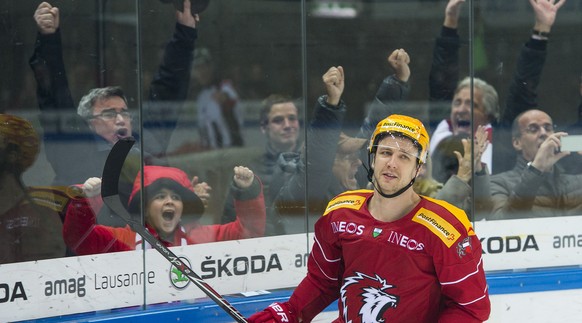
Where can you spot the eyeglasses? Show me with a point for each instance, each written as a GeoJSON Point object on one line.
{"type": "Point", "coordinates": [112, 114]}
{"type": "Point", "coordinates": [535, 128]}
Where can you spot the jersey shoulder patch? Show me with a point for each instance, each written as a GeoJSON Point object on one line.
{"type": "Point", "coordinates": [438, 225]}
{"type": "Point", "coordinates": [348, 200]}
{"type": "Point", "coordinates": [458, 213]}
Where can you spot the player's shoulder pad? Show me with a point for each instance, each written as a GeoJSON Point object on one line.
{"type": "Point", "coordinates": [55, 198]}
{"type": "Point", "coordinates": [348, 200]}
{"type": "Point", "coordinates": [442, 219]}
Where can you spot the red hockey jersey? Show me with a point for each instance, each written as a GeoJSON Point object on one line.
{"type": "Point", "coordinates": [424, 267]}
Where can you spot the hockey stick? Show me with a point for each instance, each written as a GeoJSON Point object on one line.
{"type": "Point", "coordinates": [110, 195]}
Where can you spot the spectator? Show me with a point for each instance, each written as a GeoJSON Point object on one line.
{"type": "Point", "coordinates": [377, 251]}
{"type": "Point", "coordinates": [537, 186]}
{"type": "Point", "coordinates": [103, 115]}
{"type": "Point", "coordinates": [220, 115]}
{"type": "Point", "coordinates": [522, 92]}
{"type": "Point", "coordinates": [469, 109]}
{"type": "Point", "coordinates": [456, 190]}
{"type": "Point", "coordinates": [328, 153]}
{"type": "Point", "coordinates": [170, 197]}
{"type": "Point", "coordinates": [347, 163]}
{"type": "Point", "coordinates": [279, 120]}
{"type": "Point", "coordinates": [30, 224]}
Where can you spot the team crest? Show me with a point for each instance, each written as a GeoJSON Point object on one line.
{"type": "Point", "coordinates": [464, 247]}
{"type": "Point", "coordinates": [371, 294]}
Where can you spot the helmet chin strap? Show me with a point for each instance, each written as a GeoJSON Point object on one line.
{"type": "Point", "coordinates": [370, 172]}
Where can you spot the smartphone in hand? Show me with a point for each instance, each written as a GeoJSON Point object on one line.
{"type": "Point", "coordinates": [571, 143]}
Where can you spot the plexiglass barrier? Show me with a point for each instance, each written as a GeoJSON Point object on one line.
{"type": "Point", "coordinates": [251, 83]}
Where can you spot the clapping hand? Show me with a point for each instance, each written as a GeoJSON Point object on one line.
{"type": "Point", "coordinates": [202, 190]}
{"type": "Point", "coordinates": [467, 163]}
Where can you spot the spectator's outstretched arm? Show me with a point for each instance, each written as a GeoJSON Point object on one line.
{"type": "Point", "coordinates": [249, 205]}
{"type": "Point", "coordinates": [47, 64]}
{"type": "Point", "coordinates": [444, 71]}
{"type": "Point", "coordinates": [323, 135]}
{"type": "Point", "coordinates": [523, 88]}
{"type": "Point", "coordinates": [169, 87]}
{"type": "Point", "coordinates": [80, 231]}
{"type": "Point", "coordinates": [172, 79]}
{"type": "Point", "coordinates": [392, 91]}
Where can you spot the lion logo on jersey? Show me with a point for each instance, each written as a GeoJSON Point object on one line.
{"type": "Point", "coordinates": [371, 292]}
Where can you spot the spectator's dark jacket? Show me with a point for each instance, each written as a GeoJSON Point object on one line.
{"type": "Point", "coordinates": [294, 181]}
{"type": "Point", "coordinates": [521, 193]}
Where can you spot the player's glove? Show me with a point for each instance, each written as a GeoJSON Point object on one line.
{"type": "Point", "coordinates": [275, 313]}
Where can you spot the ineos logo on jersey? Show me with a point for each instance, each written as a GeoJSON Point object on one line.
{"type": "Point", "coordinates": [404, 241]}
{"type": "Point", "coordinates": [348, 227]}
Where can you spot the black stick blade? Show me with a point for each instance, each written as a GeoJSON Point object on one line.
{"type": "Point", "coordinates": [113, 166]}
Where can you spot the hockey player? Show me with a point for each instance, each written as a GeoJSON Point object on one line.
{"type": "Point", "coordinates": [389, 254]}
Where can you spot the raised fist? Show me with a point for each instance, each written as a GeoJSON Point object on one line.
{"type": "Point", "coordinates": [243, 177]}
{"type": "Point", "coordinates": [47, 18]}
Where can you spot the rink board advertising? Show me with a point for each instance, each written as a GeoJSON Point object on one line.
{"type": "Point", "coordinates": [92, 283]}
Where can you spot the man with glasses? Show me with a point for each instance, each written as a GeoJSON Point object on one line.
{"type": "Point", "coordinates": [522, 94]}
{"type": "Point", "coordinates": [537, 186]}
{"type": "Point", "coordinates": [77, 145]}
{"type": "Point", "coordinates": [106, 111]}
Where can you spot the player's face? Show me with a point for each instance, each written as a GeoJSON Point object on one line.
{"type": "Point", "coordinates": [395, 163]}
{"type": "Point", "coordinates": [110, 127]}
{"type": "Point", "coordinates": [282, 128]}
{"type": "Point", "coordinates": [165, 211]}
{"type": "Point", "coordinates": [461, 111]}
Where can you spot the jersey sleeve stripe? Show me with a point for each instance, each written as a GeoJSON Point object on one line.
{"type": "Point", "coordinates": [318, 256]}
{"type": "Point", "coordinates": [323, 272]}
{"type": "Point", "coordinates": [467, 276]}
{"type": "Point", "coordinates": [323, 253]}
{"type": "Point", "coordinates": [475, 300]}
